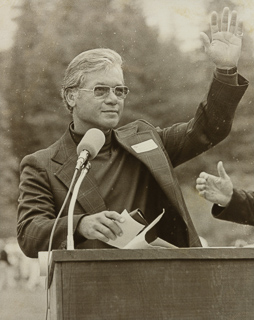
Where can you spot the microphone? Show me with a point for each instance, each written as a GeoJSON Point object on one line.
{"type": "Point", "coordinates": [87, 149]}
{"type": "Point", "coordinates": [89, 146]}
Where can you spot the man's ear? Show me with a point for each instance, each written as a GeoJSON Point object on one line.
{"type": "Point", "coordinates": [70, 95]}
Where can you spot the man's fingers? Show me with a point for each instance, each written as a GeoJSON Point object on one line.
{"type": "Point", "coordinates": [99, 236]}
{"type": "Point", "coordinates": [224, 19]}
{"type": "Point", "coordinates": [239, 29]}
{"type": "Point", "coordinates": [214, 23]}
{"type": "Point", "coordinates": [114, 216]}
{"type": "Point", "coordinates": [99, 232]}
{"type": "Point", "coordinates": [111, 221]}
{"type": "Point", "coordinates": [102, 226]}
{"type": "Point", "coordinates": [204, 175]}
{"type": "Point", "coordinates": [113, 227]}
{"type": "Point", "coordinates": [201, 187]}
{"type": "Point", "coordinates": [202, 194]}
{"type": "Point", "coordinates": [106, 231]}
{"type": "Point", "coordinates": [232, 26]}
{"type": "Point", "coordinates": [201, 181]}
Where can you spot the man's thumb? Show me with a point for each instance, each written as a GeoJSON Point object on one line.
{"type": "Point", "coordinates": [221, 170]}
{"type": "Point", "coordinates": [205, 40]}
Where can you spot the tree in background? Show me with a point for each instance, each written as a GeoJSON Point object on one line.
{"type": "Point", "coordinates": [9, 181]}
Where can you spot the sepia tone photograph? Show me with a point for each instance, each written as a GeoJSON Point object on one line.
{"type": "Point", "coordinates": [127, 159]}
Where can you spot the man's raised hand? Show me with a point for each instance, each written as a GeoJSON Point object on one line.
{"type": "Point", "coordinates": [225, 46]}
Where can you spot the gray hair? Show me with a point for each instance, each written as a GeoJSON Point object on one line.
{"type": "Point", "coordinates": [85, 62]}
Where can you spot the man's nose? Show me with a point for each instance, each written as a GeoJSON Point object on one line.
{"type": "Point", "coordinates": [111, 97]}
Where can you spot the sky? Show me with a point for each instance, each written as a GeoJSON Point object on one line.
{"type": "Point", "coordinates": [184, 19]}
{"type": "Point", "coordinates": [7, 26]}
{"type": "Point", "coordinates": [187, 18]}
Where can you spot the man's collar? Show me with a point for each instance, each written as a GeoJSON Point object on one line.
{"type": "Point", "coordinates": [76, 137]}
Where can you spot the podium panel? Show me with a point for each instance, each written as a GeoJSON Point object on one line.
{"type": "Point", "coordinates": [156, 284]}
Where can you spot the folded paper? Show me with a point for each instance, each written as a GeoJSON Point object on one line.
{"type": "Point", "coordinates": [135, 235]}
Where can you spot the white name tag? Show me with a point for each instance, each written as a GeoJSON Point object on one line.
{"type": "Point", "coordinates": [144, 146]}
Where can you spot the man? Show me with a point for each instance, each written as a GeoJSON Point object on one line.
{"type": "Point", "coordinates": [230, 204]}
{"type": "Point", "coordinates": [134, 169]}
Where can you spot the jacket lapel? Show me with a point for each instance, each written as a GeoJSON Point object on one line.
{"type": "Point", "coordinates": [156, 160]}
{"type": "Point", "coordinates": [89, 196]}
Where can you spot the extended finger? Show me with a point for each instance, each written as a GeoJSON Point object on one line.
{"type": "Point", "coordinates": [239, 29]}
{"type": "Point", "coordinates": [224, 19]}
{"type": "Point", "coordinates": [221, 170]}
{"type": "Point", "coordinates": [233, 20]}
{"type": "Point", "coordinates": [214, 22]}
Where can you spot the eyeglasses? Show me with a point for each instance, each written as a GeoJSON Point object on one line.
{"type": "Point", "coordinates": [103, 91]}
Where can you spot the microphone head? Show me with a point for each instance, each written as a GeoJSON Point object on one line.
{"type": "Point", "coordinates": [92, 141]}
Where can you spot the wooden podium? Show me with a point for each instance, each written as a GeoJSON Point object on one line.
{"type": "Point", "coordinates": [156, 284]}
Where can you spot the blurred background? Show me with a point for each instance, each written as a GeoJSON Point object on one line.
{"type": "Point", "coordinates": [168, 74]}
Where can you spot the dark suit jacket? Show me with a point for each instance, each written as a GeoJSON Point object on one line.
{"type": "Point", "coordinates": [240, 209]}
{"type": "Point", "coordinates": [46, 174]}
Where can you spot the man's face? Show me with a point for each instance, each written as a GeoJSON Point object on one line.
{"type": "Point", "coordinates": [103, 113]}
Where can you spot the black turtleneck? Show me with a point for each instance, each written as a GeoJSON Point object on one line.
{"type": "Point", "coordinates": [122, 179]}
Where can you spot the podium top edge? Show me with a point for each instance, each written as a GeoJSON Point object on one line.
{"type": "Point", "coordinates": [152, 254]}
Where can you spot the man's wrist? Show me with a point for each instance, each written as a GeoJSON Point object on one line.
{"type": "Point", "coordinates": [79, 226]}
{"type": "Point", "coordinates": [225, 201]}
{"type": "Point", "coordinates": [232, 70]}
{"type": "Point", "coordinates": [227, 75]}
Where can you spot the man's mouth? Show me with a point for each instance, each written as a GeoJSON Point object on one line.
{"type": "Point", "coordinates": [110, 111]}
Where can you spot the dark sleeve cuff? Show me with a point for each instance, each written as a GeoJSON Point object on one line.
{"type": "Point", "coordinates": [231, 79]}
{"type": "Point", "coordinates": [223, 100]}
{"type": "Point", "coordinates": [224, 213]}
{"type": "Point", "coordinates": [222, 92]}
{"type": "Point", "coordinates": [240, 209]}
{"type": "Point", "coordinates": [78, 238]}
{"type": "Point", "coordinates": [217, 210]}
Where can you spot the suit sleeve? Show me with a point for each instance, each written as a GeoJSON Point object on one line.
{"type": "Point", "coordinates": [37, 211]}
{"type": "Point", "coordinates": [210, 125]}
{"type": "Point", "coordinates": [239, 210]}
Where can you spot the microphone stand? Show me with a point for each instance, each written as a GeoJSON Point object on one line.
{"type": "Point", "coordinates": [70, 239]}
